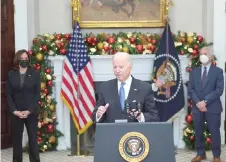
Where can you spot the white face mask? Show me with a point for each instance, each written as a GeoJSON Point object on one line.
{"type": "Point", "coordinates": [204, 59]}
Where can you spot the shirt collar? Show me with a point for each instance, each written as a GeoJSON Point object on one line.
{"type": "Point", "coordinates": [127, 82]}
{"type": "Point", "coordinates": [207, 66]}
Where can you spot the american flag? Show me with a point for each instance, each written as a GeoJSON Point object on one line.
{"type": "Point", "coordinates": [77, 88]}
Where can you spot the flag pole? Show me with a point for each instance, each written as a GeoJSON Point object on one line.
{"type": "Point", "coordinates": [78, 145]}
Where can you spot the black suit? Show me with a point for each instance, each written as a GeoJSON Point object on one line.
{"type": "Point", "coordinates": [21, 98]}
{"type": "Point", "coordinates": [139, 91]}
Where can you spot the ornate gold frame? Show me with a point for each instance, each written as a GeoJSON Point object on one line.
{"type": "Point", "coordinates": [75, 4]}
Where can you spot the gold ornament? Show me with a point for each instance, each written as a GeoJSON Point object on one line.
{"type": "Point", "coordinates": [52, 107]}
{"type": "Point", "coordinates": [52, 139]}
{"type": "Point", "coordinates": [125, 49]}
{"type": "Point", "coordinates": [46, 120]}
{"type": "Point", "coordinates": [43, 85]}
{"type": "Point", "coordinates": [39, 56]}
{"type": "Point", "coordinates": [100, 46]}
{"type": "Point", "coordinates": [49, 101]}
{"type": "Point", "coordinates": [190, 39]}
{"type": "Point", "coordinates": [185, 133]}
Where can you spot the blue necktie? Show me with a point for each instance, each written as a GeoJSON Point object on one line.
{"type": "Point", "coordinates": [122, 95]}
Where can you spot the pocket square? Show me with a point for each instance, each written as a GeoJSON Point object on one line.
{"type": "Point", "coordinates": [134, 101]}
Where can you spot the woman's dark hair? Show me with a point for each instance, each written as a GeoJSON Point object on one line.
{"type": "Point", "coordinates": [17, 58]}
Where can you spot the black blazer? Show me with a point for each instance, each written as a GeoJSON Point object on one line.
{"type": "Point", "coordinates": [139, 91]}
{"type": "Point", "coordinates": [25, 97]}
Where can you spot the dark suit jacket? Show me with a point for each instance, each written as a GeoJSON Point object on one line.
{"type": "Point", "coordinates": [139, 91]}
{"type": "Point", "coordinates": [211, 91]}
{"type": "Point", "coordinates": [25, 97]}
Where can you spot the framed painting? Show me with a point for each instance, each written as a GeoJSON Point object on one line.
{"type": "Point", "coordinates": [119, 13]}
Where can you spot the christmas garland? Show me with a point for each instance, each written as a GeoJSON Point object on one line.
{"type": "Point", "coordinates": [101, 44]}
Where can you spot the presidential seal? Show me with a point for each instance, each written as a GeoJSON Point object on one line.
{"type": "Point", "coordinates": [170, 75]}
{"type": "Point", "coordinates": [133, 147]}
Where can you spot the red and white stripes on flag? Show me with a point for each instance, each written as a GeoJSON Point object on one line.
{"type": "Point", "coordinates": [78, 94]}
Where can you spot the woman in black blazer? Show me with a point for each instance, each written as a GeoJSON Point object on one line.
{"type": "Point", "coordinates": [23, 94]}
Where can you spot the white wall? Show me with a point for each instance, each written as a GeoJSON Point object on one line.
{"type": "Point", "coordinates": [20, 24]}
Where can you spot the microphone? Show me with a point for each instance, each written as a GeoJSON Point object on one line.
{"type": "Point", "coordinates": [127, 106]}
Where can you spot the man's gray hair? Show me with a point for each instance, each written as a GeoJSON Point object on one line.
{"type": "Point", "coordinates": [209, 50]}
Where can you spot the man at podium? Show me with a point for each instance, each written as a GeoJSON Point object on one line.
{"type": "Point", "coordinates": [125, 97]}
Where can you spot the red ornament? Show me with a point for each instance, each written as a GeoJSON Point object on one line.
{"type": "Point", "coordinates": [182, 52]}
{"type": "Point", "coordinates": [106, 48]}
{"type": "Point", "coordinates": [63, 51]}
{"type": "Point", "coordinates": [94, 39]}
{"type": "Point", "coordinates": [62, 44]}
{"type": "Point", "coordinates": [132, 40]}
{"type": "Point", "coordinates": [58, 45]}
{"type": "Point", "coordinates": [154, 41]}
{"type": "Point", "coordinates": [200, 38]}
{"type": "Point", "coordinates": [58, 36]}
{"type": "Point", "coordinates": [149, 40]}
{"type": "Point", "coordinates": [112, 51]}
{"type": "Point", "coordinates": [45, 91]}
{"type": "Point", "coordinates": [139, 48]}
{"type": "Point", "coordinates": [50, 83]}
{"type": "Point", "coordinates": [152, 48]}
{"type": "Point", "coordinates": [39, 139]}
{"type": "Point", "coordinates": [48, 71]}
{"type": "Point", "coordinates": [38, 67]}
{"type": "Point", "coordinates": [67, 36]}
{"type": "Point", "coordinates": [39, 102]}
{"type": "Point", "coordinates": [111, 40]}
{"type": "Point", "coordinates": [192, 138]}
{"type": "Point", "coordinates": [50, 128]}
{"type": "Point", "coordinates": [196, 47]}
{"type": "Point", "coordinates": [194, 53]}
{"type": "Point", "coordinates": [42, 123]}
{"type": "Point", "coordinates": [208, 140]}
{"type": "Point", "coordinates": [30, 52]}
{"type": "Point", "coordinates": [38, 133]}
{"type": "Point", "coordinates": [44, 47]}
{"type": "Point", "coordinates": [182, 39]}
{"type": "Point", "coordinates": [189, 119]}
{"type": "Point", "coordinates": [89, 40]}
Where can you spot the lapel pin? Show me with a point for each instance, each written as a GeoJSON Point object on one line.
{"type": "Point", "coordinates": [134, 101]}
{"type": "Point", "coordinates": [135, 89]}
{"type": "Point", "coordinates": [29, 75]}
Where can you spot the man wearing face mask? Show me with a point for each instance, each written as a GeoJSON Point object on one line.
{"type": "Point", "coordinates": [23, 94]}
{"type": "Point", "coordinates": [206, 85]}
{"type": "Point", "coordinates": [114, 93]}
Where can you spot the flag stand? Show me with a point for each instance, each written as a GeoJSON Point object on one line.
{"type": "Point", "coordinates": [78, 145]}
{"type": "Point", "coordinates": [81, 152]}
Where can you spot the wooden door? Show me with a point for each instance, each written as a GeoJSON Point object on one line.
{"type": "Point", "coordinates": [7, 54]}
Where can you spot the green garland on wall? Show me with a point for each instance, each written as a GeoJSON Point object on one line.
{"type": "Point", "coordinates": [102, 44]}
